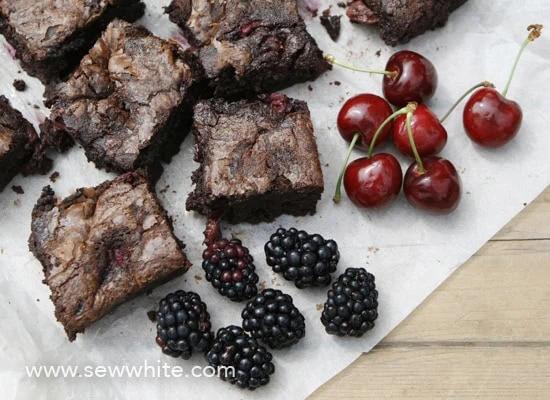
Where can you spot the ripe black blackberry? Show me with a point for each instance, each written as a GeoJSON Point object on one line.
{"type": "Point", "coordinates": [308, 260]}
{"type": "Point", "coordinates": [183, 325]}
{"type": "Point", "coordinates": [230, 269]}
{"type": "Point", "coordinates": [352, 304]}
{"type": "Point", "coordinates": [272, 318]}
{"type": "Point", "coordinates": [251, 362]}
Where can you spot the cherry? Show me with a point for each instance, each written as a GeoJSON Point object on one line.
{"type": "Point", "coordinates": [490, 119]}
{"type": "Point", "coordinates": [363, 114]}
{"type": "Point", "coordinates": [436, 189]}
{"type": "Point", "coordinates": [414, 79]}
{"type": "Point", "coordinates": [373, 182]}
{"type": "Point", "coordinates": [429, 134]}
{"type": "Point", "coordinates": [408, 77]}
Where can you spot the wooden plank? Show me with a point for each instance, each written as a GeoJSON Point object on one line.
{"type": "Point", "coordinates": [462, 372]}
{"type": "Point", "coordinates": [532, 223]}
{"type": "Point", "coordinates": [501, 294]}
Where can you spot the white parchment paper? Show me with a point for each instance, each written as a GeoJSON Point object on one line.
{"type": "Point", "coordinates": [409, 252]}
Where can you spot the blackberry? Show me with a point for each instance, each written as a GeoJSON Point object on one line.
{"type": "Point", "coordinates": [183, 325]}
{"type": "Point", "coordinates": [308, 260]}
{"type": "Point", "coordinates": [230, 269]}
{"type": "Point", "coordinates": [251, 363]}
{"type": "Point", "coordinates": [352, 304]}
{"type": "Point", "coordinates": [272, 318]}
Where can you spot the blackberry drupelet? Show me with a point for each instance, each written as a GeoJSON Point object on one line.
{"type": "Point", "coordinates": [183, 325]}
{"type": "Point", "coordinates": [308, 260]}
{"type": "Point", "coordinates": [230, 269]}
{"type": "Point", "coordinates": [352, 304]}
{"type": "Point", "coordinates": [272, 318]}
{"type": "Point", "coordinates": [233, 347]}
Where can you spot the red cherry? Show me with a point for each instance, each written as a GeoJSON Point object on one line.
{"type": "Point", "coordinates": [437, 189]}
{"type": "Point", "coordinates": [490, 119]}
{"type": "Point", "coordinates": [428, 133]}
{"type": "Point", "coordinates": [364, 114]}
{"type": "Point", "coordinates": [414, 79]}
{"type": "Point", "coordinates": [373, 182]}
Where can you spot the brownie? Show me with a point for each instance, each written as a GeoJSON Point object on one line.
{"type": "Point", "coordinates": [50, 37]}
{"type": "Point", "coordinates": [19, 146]}
{"type": "Point", "coordinates": [399, 21]}
{"type": "Point", "coordinates": [129, 101]}
{"type": "Point", "coordinates": [258, 160]}
{"type": "Point", "coordinates": [249, 46]}
{"type": "Point", "coordinates": [102, 246]}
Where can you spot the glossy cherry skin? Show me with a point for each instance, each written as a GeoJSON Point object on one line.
{"type": "Point", "coordinates": [437, 190]}
{"type": "Point", "coordinates": [373, 182]}
{"type": "Point", "coordinates": [490, 119]}
{"type": "Point", "coordinates": [416, 79]}
{"type": "Point", "coordinates": [429, 135]}
{"type": "Point", "coordinates": [363, 114]}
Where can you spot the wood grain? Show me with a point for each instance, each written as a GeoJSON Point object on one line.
{"type": "Point", "coordinates": [485, 333]}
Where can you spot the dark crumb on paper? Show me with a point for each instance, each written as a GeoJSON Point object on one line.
{"type": "Point", "coordinates": [337, 83]}
{"type": "Point", "coordinates": [319, 307]}
{"type": "Point", "coordinates": [312, 11]}
{"type": "Point", "coordinates": [17, 203]}
{"type": "Point", "coordinates": [149, 292]}
{"type": "Point", "coordinates": [17, 189]}
{"type": "Point", "coordinates": [152, 315]}
{"type": "Point", "coordinates": [262, 286]}
{"type": "Point", "coordinates": [327, 165]}
{"type": "Point", "coordinates": [19, 85]}
{"type": "Point", "coordinates": [54, 176]}
{"type": "Point", "coordinates": [310, 88]}
{"type": "Point", "coordinates": [373, 250]}
{"type": "Point", "coordinates": [36, 106]}
{"type": "Point", "coordinates": [468, 193]}
{"type": "Point", "coordinates": [331, 24]}
{"type": "Point", "coordinates": [38, 300]}
{"type": "Point", "coordinates": [342, 4]}
{"type": "Point", "coordinates": [198, 277]}
{"type": "Point", "coordinates": [165, 189]}
{"type": "Point", "coordinates": [524, 204]}
{"type": "Point", "coordinates": [378, 52]}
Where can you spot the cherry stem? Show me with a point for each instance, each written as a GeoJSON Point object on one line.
{"type": "Point", "coordinates": [421, 168]}
{"type": "Point", "coordinates": [486, 84]}
{"type": "Point", "coordinates": [338, 193]}
{"type": "Point", "coordinates": [332, 60]}
{"type": "Point", "coordinates": [396, 114]}
{"type": "Point", "coordinates": [534, 33]}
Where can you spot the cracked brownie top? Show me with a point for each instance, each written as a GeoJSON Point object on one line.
{"type": "Point", "coordinates": [125, 91]}
{"type": "Point", "coordinates": [101, 246]}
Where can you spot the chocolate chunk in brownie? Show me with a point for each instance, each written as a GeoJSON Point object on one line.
{"type": "Point", "coordinates": [399, 21]}
{"type": "Point", "coordinates": [50, 36]}
{"type": "Point", "coordinates": [249, 47]}
{"type": "Point", "coordinates": [102, 246]}
{"type": "Point", "coordinates": [19, 146]}
{"type": "Point", "coordinates": [128, 104]}
{"type": "Point", "coordinates": [258, 160]}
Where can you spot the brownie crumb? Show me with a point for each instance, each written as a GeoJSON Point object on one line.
{"type": "Point", "coordinates": [198, 277]}
{"type": "Point", "coordinates": [342, 4]}
{"type": "Point", "coordinates": [38, 300]}
{"type": "Point", "coordinates": [337, 83]}
{"type": "Point", "coordinates": [262, 286]}
{"type": "Point", "coordinates": [36, 106]}
{"type": "Point", "coordinates": [331, 24]}
{"type": "Point", "coordinates": [319, 307]}
{"type": "Point", "coordinates": [54, 176]}
{"type": "Point", "coordinates": [19, 85]}
{"type": "Point", "coordinates": [378, 53]}
{"type": "Point", "coordinates": [17, 203]}
{"type": "Point", "coordinates": [152, 315]}
{"type": "Point", "coordinates": [310, 88]}
{"type": "Point", "coordinates": [165, 189]}
{"type": "Point", "coordinates": [17, 189]}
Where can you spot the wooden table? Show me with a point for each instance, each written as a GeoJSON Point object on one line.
{"type": "Point", "coordinates": [484, 333]}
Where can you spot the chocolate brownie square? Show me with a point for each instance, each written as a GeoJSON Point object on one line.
{"type": "Point", "coordinates": [50, 36]}
{"type": "Point", "coordinates": [400, 21]}
{"type": "Point", "coordinates": [102, 246]}
{"type": "Point", "coordinates": [129, 100]}
{"type": "Point", "coordinates": [19, 145]}
{"type": "Point", "coordinates": [249, 46]}
{"type": "Point", "coordinates": [258, 160]}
